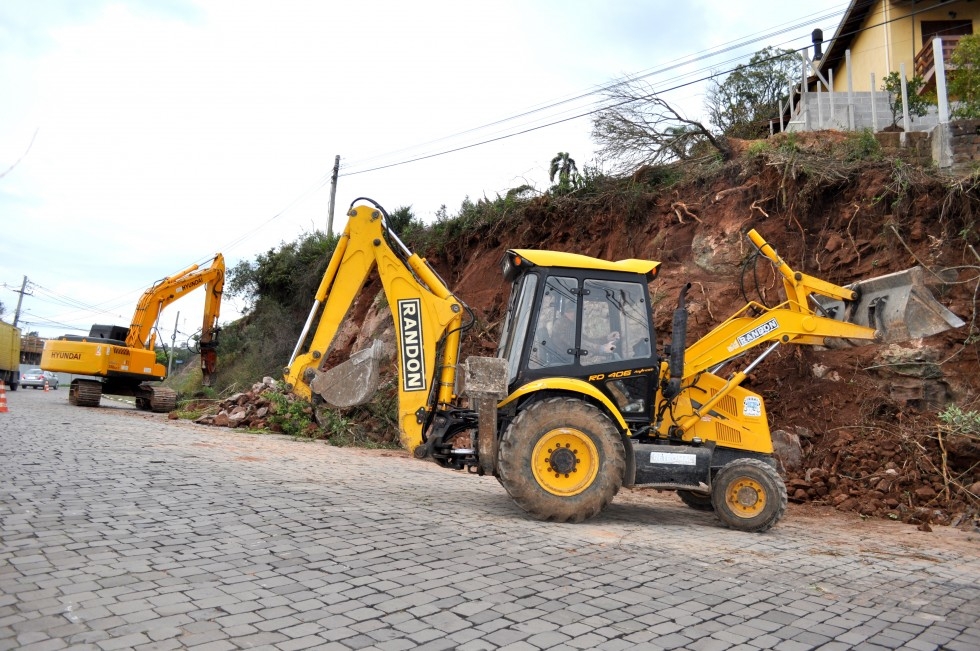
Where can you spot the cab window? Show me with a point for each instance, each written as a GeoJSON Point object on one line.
{"type": "Point", "coordinates": [615, 322]}
{"type": "Point", "coordinates": [555, 332]}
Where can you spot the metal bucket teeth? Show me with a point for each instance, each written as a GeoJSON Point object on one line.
{"type": "Point", "coordinates": [899, 306]}
{"type": "Point", "coordinates": [353, 382]}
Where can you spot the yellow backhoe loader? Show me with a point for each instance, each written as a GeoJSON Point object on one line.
{"type": "Point", "coordinates": [124, 359]}
{"type": "Point", "coordinates": [578, 401]}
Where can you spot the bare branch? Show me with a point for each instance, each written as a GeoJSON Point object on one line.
{"type": "Point", "coordinates": [639, 128]}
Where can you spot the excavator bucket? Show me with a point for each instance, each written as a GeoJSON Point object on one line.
{"type": "Point", "coordinates": [350, 383]}
{"type": "Point", "coordinates": [900, 306]}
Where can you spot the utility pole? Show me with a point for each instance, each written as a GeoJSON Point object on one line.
{"type": "Point", "coordinates": [20, 299]}
{"type": "Point", "coordinates": [333, 194]}
{"type": "Point", "coordinates": [173, 345]}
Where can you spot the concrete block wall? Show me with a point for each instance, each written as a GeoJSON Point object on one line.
{"type": "Point", "coordinates": [964, 144]}
{"type": "Point", "coordinates": [863, 117]}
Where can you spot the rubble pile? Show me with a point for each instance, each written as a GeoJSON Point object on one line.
{"type": "Point", "coordinates": [250, 409]}
{"type": "Point", "coordinates": [883, 477]}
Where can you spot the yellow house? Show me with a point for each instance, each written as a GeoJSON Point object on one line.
{"type": "Point", "coordinates": [883, 34]}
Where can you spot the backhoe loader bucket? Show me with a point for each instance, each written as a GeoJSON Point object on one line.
{"type": "Point", "coordinates": [350, 383]}
{"type": "Point", "coordinates": [900, 306]}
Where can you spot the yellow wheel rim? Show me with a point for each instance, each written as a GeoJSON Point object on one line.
{"type": "Point", "coordinates": [746, 497]}
{"type": "Point", "coordinates": [565, 462]}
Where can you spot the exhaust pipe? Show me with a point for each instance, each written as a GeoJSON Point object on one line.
{"type": "Point", "coordinates": [678, 345]}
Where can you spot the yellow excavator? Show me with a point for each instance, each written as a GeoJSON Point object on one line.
{"type": "Point", "coordinates": [122, 361]}
{"type": "Point", "coordinates": [579, 401]}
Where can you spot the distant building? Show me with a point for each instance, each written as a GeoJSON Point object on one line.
{"type": "Point", "coordinates": [30, 350]}
{"type": "Point", "coordinates": [884, 34]}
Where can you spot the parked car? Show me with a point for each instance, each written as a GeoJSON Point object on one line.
{"type": "Point", "coordinates": [35, 378]}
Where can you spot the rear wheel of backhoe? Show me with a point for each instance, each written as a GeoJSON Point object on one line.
{"type": "Point", "coordinates": [562, 459]}
{"type": "Point", "coordinates": [749, 495]}
{"type": "Point", "coordinates": [697, 501]}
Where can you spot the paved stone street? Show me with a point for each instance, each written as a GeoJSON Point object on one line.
{"type": "Point", "coordinates": [122, 530]}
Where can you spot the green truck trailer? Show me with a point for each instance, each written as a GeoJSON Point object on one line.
{"type": "Point", "coordinates": [10, 355]}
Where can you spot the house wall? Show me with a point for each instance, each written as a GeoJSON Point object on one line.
{"type": "Point", "coordinates": [892, 35]}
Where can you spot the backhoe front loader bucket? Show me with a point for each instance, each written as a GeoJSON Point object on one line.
{"type": "Point", "coordinates": [350, 383]}
{"type": "Point", "coordinates": [900, 306]}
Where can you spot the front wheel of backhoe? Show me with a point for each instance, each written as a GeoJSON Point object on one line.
{"type": "Point", "coordinates": [562, 459]}
{"type": "Point", "coordinates": [749, 495]}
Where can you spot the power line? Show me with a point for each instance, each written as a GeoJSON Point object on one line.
{"type": "Point", "coordinates": [628, 79]}
{"type": "Point", "coordinates": [673, 65]}
{"type": "Point", "coordinates": [677, 63]}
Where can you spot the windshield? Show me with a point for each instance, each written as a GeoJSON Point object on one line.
{"type": "Point", "coordinates": [515, 326]}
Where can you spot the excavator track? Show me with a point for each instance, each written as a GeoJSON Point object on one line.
{"type": "Point", "coordinates": [85, 393]}
{"type": "Point", "coordinates": [156, 399]}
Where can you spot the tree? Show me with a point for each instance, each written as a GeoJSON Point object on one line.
{"type": "Point", "coordinates": [2, 308]}
{"type": "Point", "coordinates": [563, 166]}
{"type": "Point", "coordinates": [742, 105]}
{"type": "Point", "coordinates": [918, 105]}
{"type": "Point", "coordinates": [401, 219]}
{"type": "Point", "coordinates": [964, 77]}
{"type": "Point", "coordinates": [639, 128]}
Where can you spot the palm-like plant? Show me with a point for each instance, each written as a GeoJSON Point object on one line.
{"type": "Point", "coordinates": [563, 166]}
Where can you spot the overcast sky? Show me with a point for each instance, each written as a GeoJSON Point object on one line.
{"type": "Point", "coordinates": [138, 137]}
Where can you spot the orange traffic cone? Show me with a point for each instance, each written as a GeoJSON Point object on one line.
{"type": "Point", "coordinates": [46, 389]}
{"type": "Point", "coordinates": [3, 398]}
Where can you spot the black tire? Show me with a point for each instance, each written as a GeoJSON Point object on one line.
{"type": "Point", "coordinates": [749, 495]}
{"type": "Point", "coordinates": [697, 501]}
{"type": "Point", "coordinates": [562, 459]}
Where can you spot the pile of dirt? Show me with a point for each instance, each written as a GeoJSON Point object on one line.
{"type": "Point", "coordinates": [890, 474]}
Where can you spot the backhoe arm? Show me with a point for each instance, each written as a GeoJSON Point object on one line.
{"type": "Point", "coordinates": [891, 308]}
{"type": "Point", "coordinates": [427, 318]}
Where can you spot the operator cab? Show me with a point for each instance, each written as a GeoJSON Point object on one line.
{"type": "Point", "coordinates": [579, 317]}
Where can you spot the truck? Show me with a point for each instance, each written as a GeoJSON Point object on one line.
{"type": "Point", "coordinates": [122, 361]}
{"type": "Point", "coordinates": [564, 424]}
{"type": "Point", "coordinates": [9, 355]}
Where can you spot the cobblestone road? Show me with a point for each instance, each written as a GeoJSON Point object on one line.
{"type": "Point", "coordinates": [121, 530]}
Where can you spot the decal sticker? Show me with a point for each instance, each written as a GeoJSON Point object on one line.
{"type": "Point", "coordinates": [752, 406]}
{"type": "Point", "coordinates": [673, 459]}
{"type": "Point", "coordinates": [757, 332]}
{"type": "Point", "coordinates": [413, 357]}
